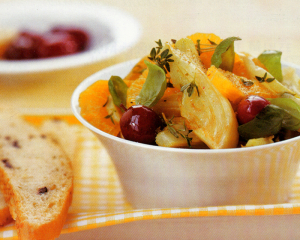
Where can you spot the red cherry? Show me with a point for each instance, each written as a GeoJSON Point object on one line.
{"type": "Point", "coordinates": [140, 124]}
{"type": "Point", "coordinates": [80, 35]}
{"type": "Point", "coordinates": [57, 44]}
{"type": "Point", "coordinates": [25, 46]}
{"type": "Point", "coordinates": [58, 41]}
{"type": "Point", "coordinates": [249, 107]}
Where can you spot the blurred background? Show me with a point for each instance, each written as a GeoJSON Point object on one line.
{"type": "Point", "coordinates": [262, 25]}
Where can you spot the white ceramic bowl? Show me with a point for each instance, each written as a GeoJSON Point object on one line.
{"type": "Point", "coordinates": [159, 177]}
{"type": "Point", "coordinates": [111, 31]}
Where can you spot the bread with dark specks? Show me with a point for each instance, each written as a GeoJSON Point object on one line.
{"type": "Point", "coordinates": [36, 179]}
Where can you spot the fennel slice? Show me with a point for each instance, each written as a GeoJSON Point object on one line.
{"type": "Point", "coordinates": [208, 114]}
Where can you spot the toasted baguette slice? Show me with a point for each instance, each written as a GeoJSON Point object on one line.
{"type": "Point", "coordinates": [36, 179]}
{"type": "Point", "coordinates": [62, 133]}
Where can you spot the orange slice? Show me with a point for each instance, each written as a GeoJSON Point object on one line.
{"type": "Point", "coordinates": [225, 86]}
{"type": "Point", "coordinates": [137, 70]}
{"type": "Point", "coordinates": [93, 102]}
{"type": "Point", "coordinates": [239, 67]}
{"type": "Point", "coordinates": [205, 57]}
{"type": "Point", "coordinates": [204, 38]}
{"type": "Point", "coordinates": [169, 103]}
{"type": "Point", "coordinates": [232, 87]}
{"type": "Point", "coordinates": [134, 90]}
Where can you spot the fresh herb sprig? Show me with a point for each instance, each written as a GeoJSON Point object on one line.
{"type": "Point", "coordinates": [247, 82]}
{"type": "Point", "coordinates": [190, 88]}
{"type": "Point", "coordinates": [177, 132]}
{"type": "Point", "coordinates": [264, 78]}
{"type": "Point", "coordinates": [162, 59]}
{"type": "Point", "coordinates": [223, 56]}
{"type": "Point", "coordinates": [198, 48]}
{"type": "Point", "coordinates": [110, 116]}
{"type": "Point", "coordinates": [201, 48]}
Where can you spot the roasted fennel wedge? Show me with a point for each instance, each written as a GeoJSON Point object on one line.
{"type": "Point", "coordinates": [176, 135]}
{"type": "Point", "coordinates": [279, 89]}
{"type": "Point", "coordinates": [256, 71]}
{"type": "Point", "coordinates": [205, 109]}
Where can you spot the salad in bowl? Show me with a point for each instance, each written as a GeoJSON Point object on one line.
{"type": "Point", "coordinates": [195, 123]}
{"type": "Point", "coordinates": [197, 92]}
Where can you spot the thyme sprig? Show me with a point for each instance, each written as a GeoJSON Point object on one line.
{"type": "Point", "coordinates": [198, 48]}
{"type": "Point", "coordinates": [161, 59]}
{"type": "Point", "coordinates": [107, 100]}
{"type": "Point", "coordinates": [264, 78]}
{"type": "Point", "coordinates": [201, 48]}
{"type": "Point", "coordinates": [110, 116]}
{"type": "Point", "coordinates": [177, 132]}
{"type": "Point", "coordinates": [247, 82]}
{"type": "Point", "coordinates": [190, 88]}
{"type": "Point", "coordinates": [212, 42]}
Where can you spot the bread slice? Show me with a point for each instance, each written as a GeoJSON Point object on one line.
{"type": "Point", "coordinates": [36, 179]}
{"type": "Point", "coordinates": [62, 133]}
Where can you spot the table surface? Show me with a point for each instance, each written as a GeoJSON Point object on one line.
{"type": "Point", "coordinates": [261, 24]}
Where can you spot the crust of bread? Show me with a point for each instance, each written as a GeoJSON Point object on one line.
{"type": "Point", "coordinates": [32, 227]}
{"type": "Point", "coordinates": [49, 230]}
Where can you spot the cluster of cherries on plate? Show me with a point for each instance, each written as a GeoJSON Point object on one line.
{"type": "Point", "coordinates": [58, 41]}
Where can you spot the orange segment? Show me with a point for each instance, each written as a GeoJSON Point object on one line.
{"type": "Point", "coordinates": [92, 103]}
{"type": "Point", "coordinates": [204, 38]}
{"type": "Point", "coordinates": [225, 86]}
{"type": "Point", "coordinates": [134, 90]}
{"type": "Point", "coordinates": [168, 100]}
{"type": "Point", "coordinates": [232, 87]}
{"type": "Point", "coordinates": [137, 70]}
{"type": "Point", "coordinates": [239, 67]}
{"type": "Point", "coordinates": [256, 89]}
{"type": "Point", "coordinates": [205, 57]}
{"type": "Point", "coordinates": [170, 91]}
{"type": "Point", "coordinates": [170, 103]}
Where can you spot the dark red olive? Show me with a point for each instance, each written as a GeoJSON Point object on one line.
{"type": "Point", "coordinates": [57, 44]}
{"type": "Point", "coordinates": [25, 46]}
{"type": "Point", "coordinates": [81, 37]}
{"type": "Point", "coordinates": [249, 107]}
{"type": "Point", "coordinates": [59, 41]}
{"type": "Point", "coordinates": [140, 124]}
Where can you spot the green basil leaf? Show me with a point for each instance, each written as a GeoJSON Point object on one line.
{"type": "Point", "coordinates": [228, 58]}
{"type": "Point", "coordinates": [154, 86]}
{"type": "Point", "coordinates": [118, 90]}
{"type": "Point", "coordinates": [272, 61]}
{"type": "Point", "coordinates": [223, 56]}
{"type": "Point", "coordinates": [291, 109]}
{"type": "Point", "coordinates": [268, 122]}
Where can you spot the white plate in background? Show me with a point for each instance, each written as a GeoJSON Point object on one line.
{"type": "Point", "coordinates": [111, 31]}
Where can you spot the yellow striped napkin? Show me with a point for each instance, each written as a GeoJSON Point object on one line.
{"type": "Point", "coordinates": [98, 199]}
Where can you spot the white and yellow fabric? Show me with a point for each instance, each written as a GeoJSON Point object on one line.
{"type": "Point", "coordinates": [98, 199]}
